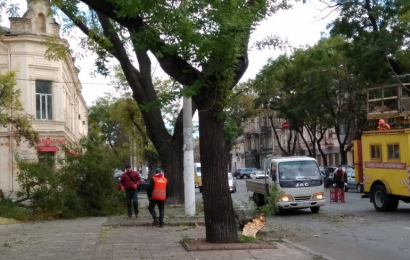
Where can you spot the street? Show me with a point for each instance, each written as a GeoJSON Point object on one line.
{"type": "Point", "coordinates": [351, 230]}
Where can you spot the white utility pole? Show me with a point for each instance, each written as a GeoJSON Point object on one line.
{"type": "Point", "coordinates": [189, 180]}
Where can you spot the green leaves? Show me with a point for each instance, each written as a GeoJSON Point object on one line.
{"type": "Point", "coordinates": [378, 31]}
{"type": "Point", "coordinates": [10, 101]}
{"type": "Point", "coordinates": [56, 50]}
{"type": "Point", "coordinates": [314, 89]}
{"type": "Point", "coordinates": [72, 187]}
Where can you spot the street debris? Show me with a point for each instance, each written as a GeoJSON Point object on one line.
{"type": "Point", "coordinates": [252, 227]}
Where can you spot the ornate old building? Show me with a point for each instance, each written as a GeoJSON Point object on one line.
{"type": "Point", "coordinates": [50, 91]}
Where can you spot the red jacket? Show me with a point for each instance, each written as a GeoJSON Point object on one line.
{"type": "Point", "coordinates": [129, 179]}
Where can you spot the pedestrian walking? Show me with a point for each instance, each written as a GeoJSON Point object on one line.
{"type": "Point", "coordinates": [339, 182]}
{"type": "Point", "coordinates": [129, 182]}
{"type": "Point", "coordinates": [157, 192]}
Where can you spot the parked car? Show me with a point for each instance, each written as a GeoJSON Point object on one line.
{"type": "Point", "coordinates": [351, 182]}
{"type": "Point", "coordinates": [231, 182]}
{"type": "Point", "coordinates": [143, 185]}
{"type": "Point", "coordinates": [323, 173]}
{"type": "Point", "coordinates": [329, 171]}
{"type": "Point", "coordinates": [258, 175]}
{"type": "Point", "coordinates": [237, 173]}
{"type": "Point", "coordinates": [246, 172]}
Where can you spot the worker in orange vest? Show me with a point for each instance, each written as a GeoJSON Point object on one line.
{"type": "Point", "coordinates": [383, 126]}
{"type": "Point", "coordinates": [157, 192]}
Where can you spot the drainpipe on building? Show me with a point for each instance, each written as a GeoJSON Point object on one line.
{"type": "Point", "coordinates": [11, 114]}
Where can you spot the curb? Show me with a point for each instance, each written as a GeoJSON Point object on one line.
{"type": "Point", "coordinates": [228, 246]}
{"type": "Point", "coordinates": [8, 221]}
{"type": "Point", "coordinates": [148, 224]}
{"type": "Point", "coordinates": [307, 249]}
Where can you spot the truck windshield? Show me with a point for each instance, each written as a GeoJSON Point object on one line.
{"type": "Point", "coordinates": [298, 170]}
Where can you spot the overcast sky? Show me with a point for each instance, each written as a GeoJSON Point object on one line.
{"type": "Point", "coordinates": [303, 25]}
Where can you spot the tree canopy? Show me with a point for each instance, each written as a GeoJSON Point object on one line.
{"type": "Point", "coordinates": [315, 89]}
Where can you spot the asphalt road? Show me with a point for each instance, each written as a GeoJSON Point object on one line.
{"type": "Point", "coordinates": [351, 230]}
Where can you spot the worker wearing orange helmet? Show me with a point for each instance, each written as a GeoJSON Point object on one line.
{"type": "Point", "coordinates": [383, 126]}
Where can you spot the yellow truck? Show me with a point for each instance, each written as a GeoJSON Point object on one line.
{"type": "Point", "coordinates": [198, 176]}
{"type": "Point", "coordinates": [382, 157]}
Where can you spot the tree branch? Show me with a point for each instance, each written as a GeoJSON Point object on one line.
{"type": "Point", "coordinates": [172, 64]}
{"type": "Point", "coordinates": [371, 18]}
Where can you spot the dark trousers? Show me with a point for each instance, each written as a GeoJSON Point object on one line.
{"type": "Point", "coordinates": [161, 207]}
{"type": "Point", "coordinates": [132, 195]}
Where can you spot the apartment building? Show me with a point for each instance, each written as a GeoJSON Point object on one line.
{"type": "Point", "coordinates": [259, 142]}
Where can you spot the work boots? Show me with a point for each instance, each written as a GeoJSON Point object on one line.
{"type": "Point", "coordinates": [155, 222]}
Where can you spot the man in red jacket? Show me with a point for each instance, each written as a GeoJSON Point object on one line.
{"type": "Point", "coordinates": [129, 183]}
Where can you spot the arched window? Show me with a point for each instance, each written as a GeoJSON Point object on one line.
{"type": "Point", "coordinates": [41, 22]}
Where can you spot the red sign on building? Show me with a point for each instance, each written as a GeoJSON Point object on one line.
{"type": "Point", "coordinates": [48, 141]}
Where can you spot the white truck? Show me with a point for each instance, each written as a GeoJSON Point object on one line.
{"type": "Point", "coordinates": [298, 180]}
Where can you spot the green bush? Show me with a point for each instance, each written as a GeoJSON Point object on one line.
{"type": "Point", "coordinates": [272, 205]}
{"type": "Point", "coordinates": [74, 187]}
{"type": "Point", "coordinates": [8, 209]}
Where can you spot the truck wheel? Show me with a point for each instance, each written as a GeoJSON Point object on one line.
{"type": "Point", "coordinates": [314, 209]}
{"type": "Point", "coordinates": [393, 205]}
{"type": "Point", "coordinates": [382, 201]}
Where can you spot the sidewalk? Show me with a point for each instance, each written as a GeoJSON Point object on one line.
{"type": "Point", "coordinates": [119, 238]}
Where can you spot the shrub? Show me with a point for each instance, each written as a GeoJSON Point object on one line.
{"type": "Point", "coordinates": [8, 209]}
{"type": "Point", "coordinates": [272, 205]}
{"type": "Point", "coordinates": [74, 187]}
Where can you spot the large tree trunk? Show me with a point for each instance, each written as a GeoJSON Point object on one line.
{"type": "Point", "coordinates": [218, 207]}
{"type": "Point", "coordinates": [343, 155]}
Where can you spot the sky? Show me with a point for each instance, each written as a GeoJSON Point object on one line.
{"type": "Point", "coordinates": [303, 25]}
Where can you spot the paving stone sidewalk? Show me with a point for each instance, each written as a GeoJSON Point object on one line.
{"type": "Point", "coordinates": [119, 238]}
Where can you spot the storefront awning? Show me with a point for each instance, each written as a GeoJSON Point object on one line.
{"type": "Point", "coordinates": [47, 148]}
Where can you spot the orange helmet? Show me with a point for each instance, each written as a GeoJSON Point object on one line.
{"type": "Point", "coordinates": [381, 122]}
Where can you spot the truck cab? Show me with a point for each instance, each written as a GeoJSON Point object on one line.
{"type": "Point", "coordinates": [298, 180]}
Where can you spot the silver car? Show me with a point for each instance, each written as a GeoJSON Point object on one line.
{"type": "Point", "coordinates": [232, 183]}
{"type": "Point", "coordinates": [257, 174]}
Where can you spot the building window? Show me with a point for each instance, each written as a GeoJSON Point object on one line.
{"type": "Point", "coordinates": [375, 152]}
{"type": "Point", "coordinates": [43, 100]}
{"type": "Point", "coordinates": [394, 151]}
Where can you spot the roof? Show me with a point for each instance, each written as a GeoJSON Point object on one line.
{"type": "Point", "coordinates": [293, 158]}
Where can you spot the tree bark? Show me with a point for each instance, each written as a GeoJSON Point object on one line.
{"type": "Point", "coordinates": [218, 207]}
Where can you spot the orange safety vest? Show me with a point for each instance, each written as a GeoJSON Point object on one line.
{"type": "Point", "coordinates": [160, 188]}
